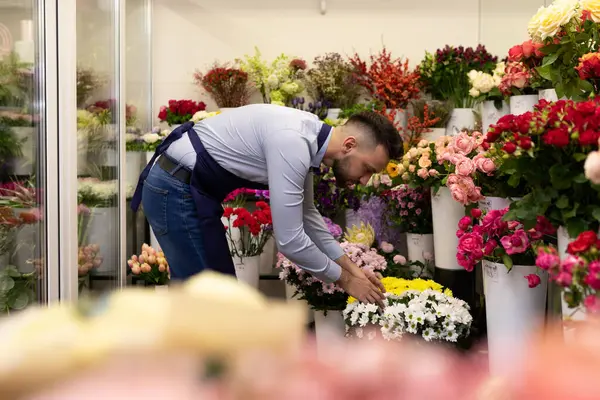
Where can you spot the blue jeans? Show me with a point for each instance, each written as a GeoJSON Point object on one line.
{"type": "Point", "coordinates": [173, 216]}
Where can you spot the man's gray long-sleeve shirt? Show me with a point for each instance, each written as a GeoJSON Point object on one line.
{"type": "Point", "coordinates": [277, 146]}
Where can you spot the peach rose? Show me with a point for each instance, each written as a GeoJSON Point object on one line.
{"type": "Point", "coordinates": [385, 180]}
{"type": "Point", "coordinates": [424, 162]}
{"type": "Point", "coordinates": [412, 168]}
{"type": "Point", "coordinates": [433, 173]}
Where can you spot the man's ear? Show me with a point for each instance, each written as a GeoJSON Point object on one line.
{"type": "Point", "coordinates": [348, 144]}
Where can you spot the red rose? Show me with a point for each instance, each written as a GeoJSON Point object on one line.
{"type": "Point", "coordinates": [509, 147]}
{"type": "Point", "coordinates": [556, 137]}
{"type": "Point", "coordinates": [528, 48]}
{"type": "Point", "coordinates": [584, 241]}
{"type": "Point", "coordinates": [525, 143]}
{"type": "Point", "coordinates": [588, 138]}
{"type": "Point", "coordinates": [516, 53]}
{"type": "Point", "coordinates": [476, 213]}
{"type": "Point", "coordinates": [162, 114]}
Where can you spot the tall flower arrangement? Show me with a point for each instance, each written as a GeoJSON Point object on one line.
{"type": "Point", "coordinates": [568, 30]}
{"type": "Point", "coordinates": [387, 79]}
{"type": "Point", "coordinates": [438, 111]}
{"type": "Point", "coordinates": [278, 81]}
{"type": "Point", "coordinates": [227, 85]}
{"type": "Point", "coordinates": [545, 151]}
{"type": "Point", "coordinates": [444, 74]}
{"type": "Point", "coordinates": [179, 111]}
{"type": "Point", "coordinates": [331, 80]}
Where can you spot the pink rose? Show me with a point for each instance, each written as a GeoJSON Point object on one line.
{"type": "Point", "coordinates": [469, 248]}
{"type": "Point", "coordinates": [386, 247]}
{"type": "Point", "coordinates": [489, 247]}
{"type": "Point", "coordinates": [484, 164]}
{"type": "Point", "coordinates": [433, 173]}
{"type": "Point", "coordinates": [564, 279]}
{"type": "Point", "coordinates": [533, 280]}
{"type": "Point", "coordinates": [423, 173]}
{"type": "Point", "coordinates": [398, 259]}
{"type": "Point", "coordinates": [492, 222]}
{"type": "Point", "coordinates": [517, 243]}
{"type": "Point", "coordinates": [547, 261]}
{"type": "Point", "coordinates": [462, 189]}
{"type": "Point", "coordinates": [464, 223]}
{"type": "Point", "coordinates": [592, 304]}
{"type": "Point", "coordinates": [386, 180]}
{"type": "Point", "coordinates": [520, 79]}
{"type": "Point", "coordinates": [464, 165]}
{"type": "Point", "coordinates": [571, 263]}
{"type": "Point", "coordinates": [463, 143]}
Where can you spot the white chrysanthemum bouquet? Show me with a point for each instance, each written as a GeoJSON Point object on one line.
{"type": "Point", "coordinates": [418, 307]}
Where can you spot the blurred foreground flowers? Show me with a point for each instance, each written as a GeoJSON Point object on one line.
{"type": "Point", "coordinates": [214, 338]}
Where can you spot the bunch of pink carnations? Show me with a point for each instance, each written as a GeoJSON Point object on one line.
{"type": "Point", "coordinates": [486, 236]}
{"type": "Point", "coordinates": [323, 296]}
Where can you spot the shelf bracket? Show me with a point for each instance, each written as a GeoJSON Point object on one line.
{"type": "Point", "coordinates": [323, 7]}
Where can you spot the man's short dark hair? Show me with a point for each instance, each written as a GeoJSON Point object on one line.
{"type": "Point", "coordinates": [381, 130]}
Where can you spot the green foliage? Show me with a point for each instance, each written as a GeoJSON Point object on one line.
{"type": "Point", "coordinates": [17, 290]}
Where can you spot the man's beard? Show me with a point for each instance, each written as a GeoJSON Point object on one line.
{"type": "Point", "coordinates": [340, 168]}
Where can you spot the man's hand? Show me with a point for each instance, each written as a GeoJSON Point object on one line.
{"type": "Point", "coordinates": [362, 288]}
{"type": "Point", "coordinates": [354, 270]}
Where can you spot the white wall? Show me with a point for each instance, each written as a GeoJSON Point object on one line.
{"type": "Point", "coordinates": [191, 34]}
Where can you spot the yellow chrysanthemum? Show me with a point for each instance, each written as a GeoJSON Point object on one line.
{"type": "Point", "coordinates": [397, 286]}
{"type": "Point", "coordinates": [363, 234]}
{"type": "Point", "coordinates": [392, 169]}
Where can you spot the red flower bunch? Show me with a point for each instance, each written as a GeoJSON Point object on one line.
{"type": "Point", "coordinates": [516, 79]}
{"type": "Point", "coordinates": [298, 64]}
{"type": "Point", "coordinates": [545, 150]}
{"type": "Point", "coordinates": [227, 86]}
{"type": "Point", "coordinates": [525, 52]}
{"type": "Point", "coordinates": [558, 124]}
{"type": "Point", "coordinates": [488, 236]}
{"type": "Point", "coordinates": [387, 79]}
{"type": "Point", "coordinates": [255, 229]}
{"type": "Point", "coordinates": [578, 273]}
{"type": "Point", "coordinates": [180, 111]}
{"type": "Point", "coordinates": [589, 69]}
{"type": "Point", "coordinates": [416, 126]}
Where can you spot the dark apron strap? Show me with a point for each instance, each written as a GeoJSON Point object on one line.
{"type": "Point", "coordinates": [176, 134]}
{"type": "Point", "coordinates": [323, 135]}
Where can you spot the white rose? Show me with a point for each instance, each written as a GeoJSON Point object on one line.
{"type": "Point", "coordinates": [474, 92]}
{"type": "Point", "coordinates": [151, 138]}
{"type": "Point", "coordinates": [592, 167]}
{"type": "Point", "coordinates": [484, 84]}
{"type": "Point", "coordinates": [557, 15]}
{"type": "Point", "coordinates": [533, 27]}
{"type": "Point", "coordinates": [473, 74]}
